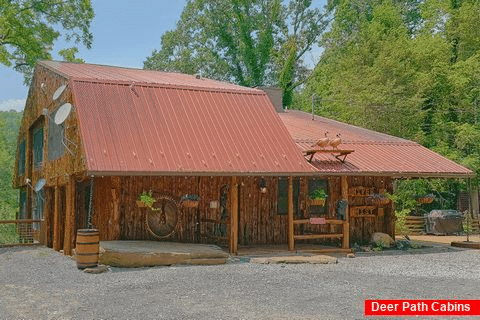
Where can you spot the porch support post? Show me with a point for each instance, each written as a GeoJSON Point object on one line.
{"type": "Point", "coordinates": [291, 238]}
{"type": "Point", "coordinates": [346, 223]}
{"type": "Point", "coordinates": [56, 218]}
{"type": "Point", "coordinates": [69, 217]}
{"type": "Point", "coordinates": [233, 244]}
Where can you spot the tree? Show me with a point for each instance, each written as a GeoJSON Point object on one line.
{"type": "Point", "coordinates": [303, 28]}
{"type": "Point", "coordinates": [249, 42]}
{"type": "Point", "coordinates": [29, 28]}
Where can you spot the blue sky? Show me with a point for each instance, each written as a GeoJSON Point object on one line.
{"type": "Point", "coordinates": [125, 33]}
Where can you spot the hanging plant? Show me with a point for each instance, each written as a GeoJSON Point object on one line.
{"type": "Point", "coordinates": [146, 200]}
{"type": "Point", "coordinates": [377, 199]}
{"type": "Point", "coordinates": [318, 197]}
{"type": "Point", "coordinates": [425, 199]}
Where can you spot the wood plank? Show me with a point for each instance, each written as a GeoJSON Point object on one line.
{"type": "Point", "coordinates": [291, 236]}
{"type": "Point", "coordinates": [328, 221]}
{"type": "Point", "coordinates": [318, 236]}
{"type": "Point", "coordinates": [18, 221]}
{"type": "Point", "coordinates": [234, 217]}
{"type": "Point", "coordinates": [56, 218]}
{"type": "Point", "coordinates": [69, 217]}
{"type": "Point", "coordinates": [346, 224]}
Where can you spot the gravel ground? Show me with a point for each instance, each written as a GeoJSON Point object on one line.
{"type": "Point", "coordinates": [39, 283]}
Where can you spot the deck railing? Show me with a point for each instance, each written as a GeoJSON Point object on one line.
{"type": "Point", "coordinates": [20, 232]}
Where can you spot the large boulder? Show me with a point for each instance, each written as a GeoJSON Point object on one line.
{"type": "Point", "coordinates": [382, 240]}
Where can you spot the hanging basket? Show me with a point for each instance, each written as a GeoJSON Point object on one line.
{"type": "Point", "coordinates": [141, 204]}
{"type": "Point", "coordinates": [190, 204]}
{"type": "Point", "coordinates": [378, 200]}
{"type": "Point", "coordinates": [317, 202]}
{"type": "Point", "coordinates": [425, 199]}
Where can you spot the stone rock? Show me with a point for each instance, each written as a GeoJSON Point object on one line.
{"type": "Point", "coordinates": [98, 269]}
{"type": "Point", "coordinates": [135, 254]}
{"type": "Point", "coordinates": [382, 240]}
{"type": "Point", "coordinates": [296, 259]}
{"type": "Point", "coordinates": [350, 255]}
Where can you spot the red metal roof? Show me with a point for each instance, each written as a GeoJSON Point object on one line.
{"type": "Point", "coordinates": [139, 122]}
{"type": "Point", "coordinates": [109, 74]}
{"type": "Point", "coordinates": [374, 153]}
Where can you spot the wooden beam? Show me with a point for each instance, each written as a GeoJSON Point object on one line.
{"type": "Point", "coordinates": [291, 236]}
{"type": "Point", "coordinates": [56, 218]}
{"type": "Point", "coordinates": [116, 196]}
{"type": "Point", "coordinates": [69, 217]}
{"type": "Point", "coordinates": [318, 236]}
{"type": "Point", "coordinates": [233, 241]}
{"type": "Point", "coordinates": [346, 224]}
{"type": "Point", "coordinates": [327, 221]}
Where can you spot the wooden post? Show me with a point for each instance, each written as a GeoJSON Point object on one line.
{"type": "Point", "coordinates": [56, 218]}
{"type": "Point", "coordinates": [346, 224]}
{"type": "Point", "coordinates": [234, 217]}
{"type": "Point", "coordinates": [69, 217]}
{"type": "Point", "coordinates": [291, 238]}
{"type": "Point", "coordinates": [115, 232]}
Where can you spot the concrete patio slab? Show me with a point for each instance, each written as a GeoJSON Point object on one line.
{"type": "Point", "coordinates": [134, 254]}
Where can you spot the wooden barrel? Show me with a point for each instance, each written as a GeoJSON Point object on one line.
{"type": "Point", "coordinates": [87, 248]}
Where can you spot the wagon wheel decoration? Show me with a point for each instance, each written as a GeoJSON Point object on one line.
{"type": "Point", "coordinates": [162, 219]}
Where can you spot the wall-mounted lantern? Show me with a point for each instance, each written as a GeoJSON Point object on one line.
{"type": "Point", "coordinates": [262, 184]}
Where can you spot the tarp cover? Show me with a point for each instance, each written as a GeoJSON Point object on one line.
{"type": "Point", "coordinates": [444, 222]}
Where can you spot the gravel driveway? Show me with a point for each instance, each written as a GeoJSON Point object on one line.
{"type": "Point", "coordinates": [39, 283]}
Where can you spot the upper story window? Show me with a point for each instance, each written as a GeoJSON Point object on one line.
{"type": "Point", "coordinates": [22, 157]}
{"type": "Point", "coordinates": [38, 147]}
{"type": "Point", "coordinates": [56, 148]}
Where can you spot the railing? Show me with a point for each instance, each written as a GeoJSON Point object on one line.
{"type": "Point", "coordinates": [20, 232]}
{"type": "Point", "coordinates": [415, 225]}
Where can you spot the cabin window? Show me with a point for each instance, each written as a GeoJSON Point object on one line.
{"type": "Point", "coordinates": [56, 148]}
{"type": "Point", "coordinates": [22, 214]}
{"type": "Point", "coordinates": [21, 157]}
{"type": "Point", "coordinates": [37, 206]}
{"type": "Point", "coordinates": [38, 147]}
{"type": "Point", "coordinates": [282, 207]}
{"type": "Point", "coordinates": [314, 184]}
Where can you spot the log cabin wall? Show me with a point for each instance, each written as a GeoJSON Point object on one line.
{"type": "Point", "coordinates": [118, 217]}
{"type": "Point", "coordinates": [40, 98]}
{"type": "Point", "coordinates": [366, 219]}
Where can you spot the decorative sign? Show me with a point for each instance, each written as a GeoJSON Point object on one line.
{"type": "Point", "coordinates": [318, 221]}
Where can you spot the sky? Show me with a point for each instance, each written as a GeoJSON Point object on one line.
{"type": "Point", "coordinates": [125, 34]}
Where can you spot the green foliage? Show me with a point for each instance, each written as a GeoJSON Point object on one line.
{"type": "Point", "coordinates": [318, 194]}
{"type": "Point", "coordinates": [9, 126]}
{"type": "Point", "coordinates": [401, 220]}
{"type": "Point", "coordinates": [404, 68]}
{"type": "Point", "coordinates": [249, 42]}
{"type": "Point", "coordinates": [69, 55]}
{"type": "Point", "coordinates": [28, 29]}
{"type": "Point", "coordinates": [147, 198]}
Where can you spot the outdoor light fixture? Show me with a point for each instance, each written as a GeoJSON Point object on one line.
{"type": "Point", "coordinates": [262, 184]}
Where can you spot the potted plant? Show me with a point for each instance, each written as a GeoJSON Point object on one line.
{"type": "Point", "coordinates": [146, 200]}
{"type": "Point", "coordinates": [318, 197]}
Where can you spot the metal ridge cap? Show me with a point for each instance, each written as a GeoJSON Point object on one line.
{"type": "Point", "coordinates": [397, 143]}
{"type": "Point", "coordinates": [250, 91]}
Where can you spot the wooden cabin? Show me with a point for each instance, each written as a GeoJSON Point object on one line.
{"type": "Point", "coordinates": [220, 162]}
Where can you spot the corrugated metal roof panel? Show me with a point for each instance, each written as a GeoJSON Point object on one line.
{"type": "Point", "coordinates": [157, 130]}
{"type": "Point", "coordinates": [110, 74]}
{"type": "Point", "coordinates": [374, 153]}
